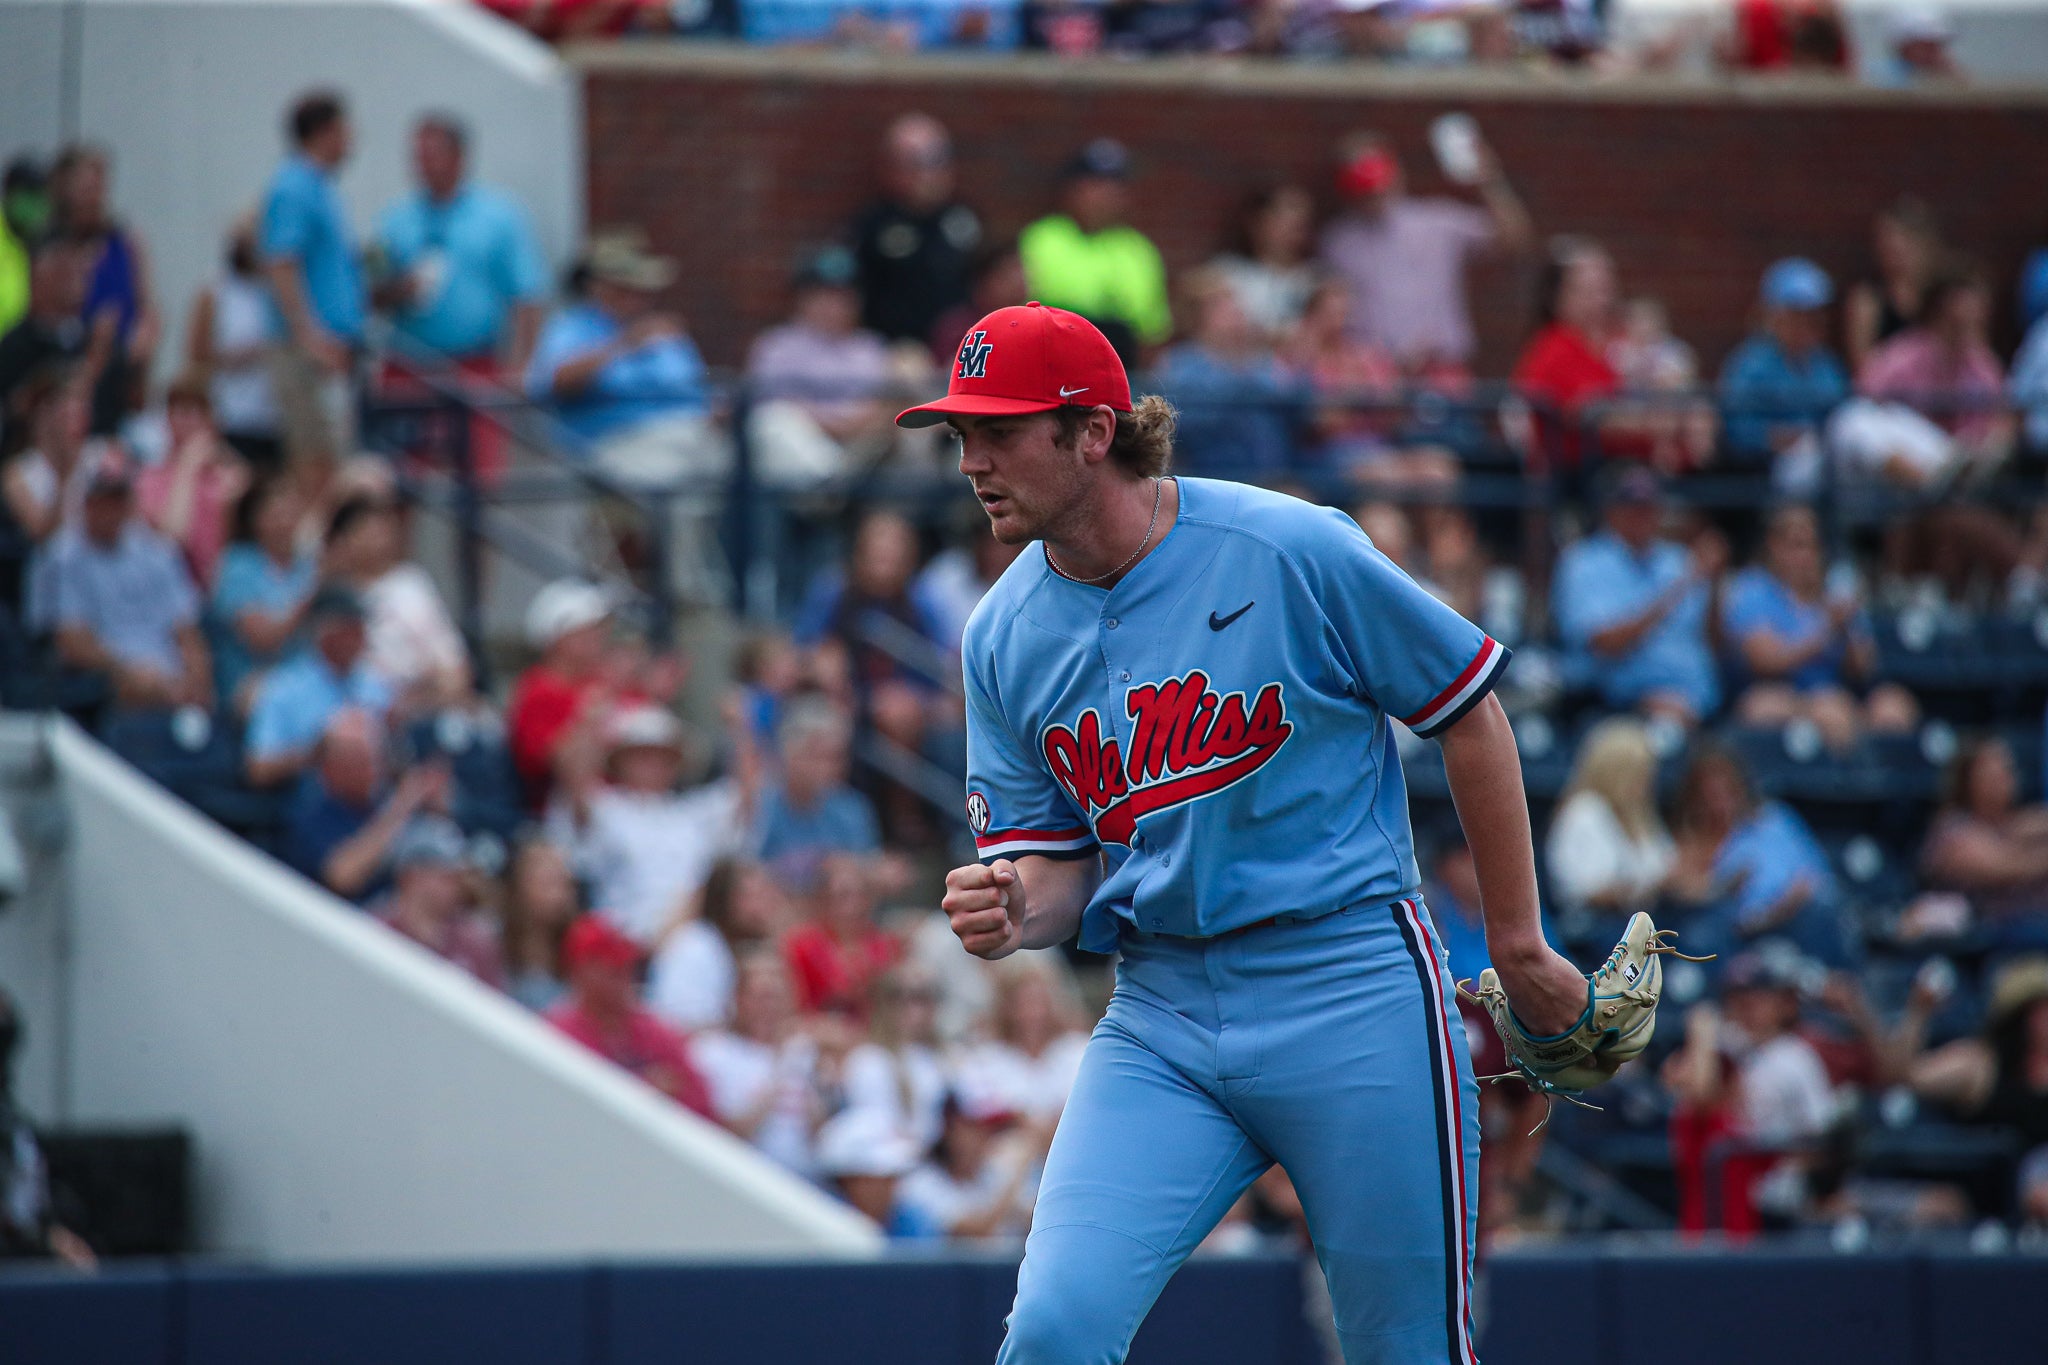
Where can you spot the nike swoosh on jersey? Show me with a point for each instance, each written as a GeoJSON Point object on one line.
{"type": "Point", "coordinates": [1219, 622]}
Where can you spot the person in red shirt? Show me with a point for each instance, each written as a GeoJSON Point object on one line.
{"type": "Point", "coordinates": [604, 1013]}
{"type": "Point", "coordinates": [1783, 35]}
{"type": "Point", "coordinates": [580, 680]}
{"type": "Point", "coordinates": [1565, 369]}
{"type": "Point", "coordinates": [836, 957]}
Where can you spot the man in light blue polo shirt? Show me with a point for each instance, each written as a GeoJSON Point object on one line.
{"type": "Point", "coordinates": [464, 275]}
{"type": "Point", "coordinates": [299, 697]}
{"type": "Point", "coordinates": [1778, 386]}
{"type": "Point", "coordinates": [617, 362]}
{"type": "Point", "coordinates": [309, 253]}
{"type": "Point", "coordinates": [1635, 610]}
{"type": "Point", "coordinates": [622, 373]}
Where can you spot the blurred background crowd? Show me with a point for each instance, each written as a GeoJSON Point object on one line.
{"type": "Point", "coordinates": [1913, 46]}
{"type": "Point", "coordinates": [1781, 632]}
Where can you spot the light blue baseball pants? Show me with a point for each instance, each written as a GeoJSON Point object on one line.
{"type": "Point", "coordinates": [1332, 1046]}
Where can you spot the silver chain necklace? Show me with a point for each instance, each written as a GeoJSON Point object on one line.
{"type": "Point", "coordinates": [1158, 487]}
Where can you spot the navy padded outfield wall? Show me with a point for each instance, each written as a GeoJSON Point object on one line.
{"type": "Point", "coordinates": [902, 1311]}
{"type": "Point", "coordinates": [1714, 1309]}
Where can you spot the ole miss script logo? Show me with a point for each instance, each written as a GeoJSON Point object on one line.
{"type": "Point", "coordinates": [1186, 742]}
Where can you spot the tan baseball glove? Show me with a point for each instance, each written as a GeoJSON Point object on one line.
{"type": "Point", "coordinates": [1620, 1018]}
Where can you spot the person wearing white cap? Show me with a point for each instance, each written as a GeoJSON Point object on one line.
{"type": "Point", "coordinates": [863, 1154]}
{"type": "Point", "coordinates": [646, 846]}
{"type": "Point", "coordinates": [1920, 37]}
{"type": "Point", "coordinates": [562, 607]}
{"type": "Point", "coordinates": [574, 681]}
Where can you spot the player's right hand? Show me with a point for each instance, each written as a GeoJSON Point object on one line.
{"type": "Point", "coordinates": [985, 905]}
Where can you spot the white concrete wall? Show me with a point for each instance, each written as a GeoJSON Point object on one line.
{"type": "Point", "coordinates": [33, 942]}
{"type": "Point", "coordinates": [191, 95]}
{"type": "Point", "coordinates": [353, 1098]}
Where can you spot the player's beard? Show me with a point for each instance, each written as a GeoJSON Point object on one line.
{"type": "Point", "coordinates": [1053, 505]}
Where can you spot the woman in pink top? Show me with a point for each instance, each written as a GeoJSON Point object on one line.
{"type": "Point", "coordinates": [1945, 368]}
{"type": "Point", "coordinates": [189, 496]}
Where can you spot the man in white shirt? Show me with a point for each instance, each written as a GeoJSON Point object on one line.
{"type": "Point", "coordinates": [1785, 1095]}
{"type": "Point", "coordinates": [1747, 1061]}
{"type": "Point", "coordinates": [646, 846]}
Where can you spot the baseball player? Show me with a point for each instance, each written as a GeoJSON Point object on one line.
{"type": "Point", "coordinates": [1179, 711]}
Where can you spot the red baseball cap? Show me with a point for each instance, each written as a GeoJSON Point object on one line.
{"type": "Point", "coordinates": [1029, 358]}
{"type": "Point", "coordinates": [1371, 171]}
{"type": "Point", "coordinates": [593, 938]}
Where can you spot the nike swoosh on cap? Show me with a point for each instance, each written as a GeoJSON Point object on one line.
{"type": "Point", "coordinates": [1066, 392]}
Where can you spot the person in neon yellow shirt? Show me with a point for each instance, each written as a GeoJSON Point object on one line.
{"type": "Point", "coordinates": [24, 213]}
{"type": "Point", "coordinates": [1088, 260]}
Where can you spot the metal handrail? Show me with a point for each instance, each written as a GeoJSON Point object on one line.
{"type": "Point", "coordinates": [1502, 485]}
{"type": "Point", "coordinates": [910, 650]}
{"type": "Point", "coordinates": [1614, 1201]}
{"type": "Point", "coordinates": [934, 785]}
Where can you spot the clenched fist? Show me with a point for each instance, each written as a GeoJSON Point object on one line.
{"type": "Point", "coordinates": [985, 905]}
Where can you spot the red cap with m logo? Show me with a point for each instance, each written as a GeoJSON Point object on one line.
{"type": "Point", "coordinates": [1029, 358]}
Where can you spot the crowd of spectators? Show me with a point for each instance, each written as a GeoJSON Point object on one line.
{"type": "Point", "coordinates": [740, 914]}
{"type": "Point", "coordinates": [1801, 37]}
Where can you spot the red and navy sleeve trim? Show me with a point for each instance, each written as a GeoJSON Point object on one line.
{"type": "Point", "coordinates": [1076, 842]}
{"type": "Point", "coordinates": [1464, 693]}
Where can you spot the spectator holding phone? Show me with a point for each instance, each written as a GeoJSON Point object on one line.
{"type": "Point", "coordinates": [1405, 257]}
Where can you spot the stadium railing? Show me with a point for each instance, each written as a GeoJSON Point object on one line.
{"type": "Point", "coordinates": [763, 540]}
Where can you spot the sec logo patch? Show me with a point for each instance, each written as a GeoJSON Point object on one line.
{"type": "Point", "coordinates": [977, 813]}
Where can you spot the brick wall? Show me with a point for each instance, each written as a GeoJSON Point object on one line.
{"type": "Point", "coordinates": [734, 162]}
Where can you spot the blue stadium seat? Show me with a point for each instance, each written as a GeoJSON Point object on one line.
{"type": "Point", "coordinates": [1763, 751]}
{"type": "Point", "coordinates": [1929, 653]}
{"type": "Point", "coordinates": [1902, 762]}
{"type": "Point", "coordinates": [486, 789]}
{"type": "Point", "coordinates": [2019, 648]}
{"type": "Point", "coordinates": [256, 815]}
{"type": "Point", "coordinates": [180, 751]}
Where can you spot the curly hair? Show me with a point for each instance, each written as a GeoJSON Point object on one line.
{"type": "Point", "coordinates": [1143, 443]}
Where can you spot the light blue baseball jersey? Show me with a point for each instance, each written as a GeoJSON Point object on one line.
{"type": "Point", "coordinates": [1216, 723]}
